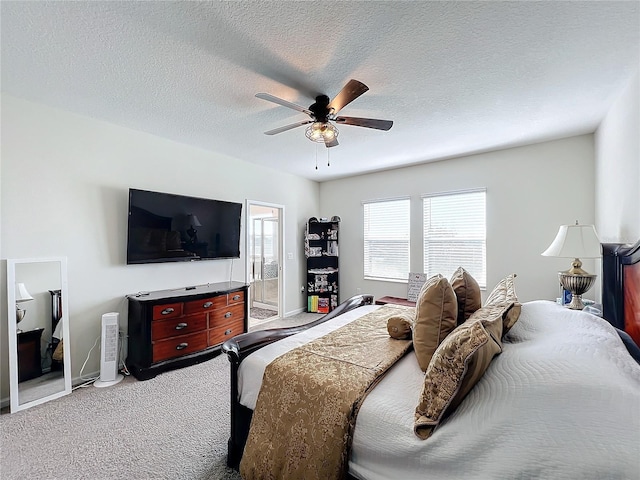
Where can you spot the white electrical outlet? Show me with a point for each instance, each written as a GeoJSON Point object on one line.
{"type": "Point", "coordinates": [302, 289]}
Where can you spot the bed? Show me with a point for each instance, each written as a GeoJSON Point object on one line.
{"type": "Point", "coordinates": [562, 399]}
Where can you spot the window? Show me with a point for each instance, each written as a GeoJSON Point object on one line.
{"type": "Point", "coordinates": [386, 239]}
{"type": "Point", "coordinates": [455, 234]}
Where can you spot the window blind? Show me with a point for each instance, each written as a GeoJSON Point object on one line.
{"type": "Point", "coordinates": [386, 239]}
{"type": "Point", "coordinates": [454, 234]}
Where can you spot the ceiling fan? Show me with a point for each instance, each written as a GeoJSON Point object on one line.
{"type": "Point", "coordinates": [324, 111]}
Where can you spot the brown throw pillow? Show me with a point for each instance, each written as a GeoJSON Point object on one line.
{"type": "Point", "coordinates": [400, 326]}
{"type": "Point", "coordinates": [436, 317]}
{"type": "Point", "coordinates": [457, 365]}
{"type": "Point", "coordinates": [467, 292]}
{"type": "Point", "coordinates": [504, 293]}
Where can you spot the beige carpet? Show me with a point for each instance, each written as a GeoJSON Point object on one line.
{"type": "Point", "coordinates": [174, 426]}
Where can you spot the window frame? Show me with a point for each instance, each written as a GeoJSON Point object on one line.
{"type": "Point", "coordinates": [369, 274]}
{"type": "Point", "coordinates": [480, 277]}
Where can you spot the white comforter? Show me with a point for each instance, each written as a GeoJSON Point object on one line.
{"type": "Point", "coordinates": [562, 401]}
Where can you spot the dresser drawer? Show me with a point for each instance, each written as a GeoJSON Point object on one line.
{"type": "Point", "coordinates": [224, 316]}
{"type": "Point", "coordinates": [222, 333]}
{"type": "Point", "coordinates": [167, 310]}
{"type": "Point", "coordinates": [235, 297]}
{"type": "Point", "coordinates": [205, 304]}
{"type": "Point", "coordinates": [171, 327]}
{"type": "Point", "coordinates": [178, 346]}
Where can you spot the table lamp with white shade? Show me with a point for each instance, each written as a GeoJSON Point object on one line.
{"type": "Point", "coordinates": [575, 241]}
{"type": "Point", "coordinates": [22, 295]}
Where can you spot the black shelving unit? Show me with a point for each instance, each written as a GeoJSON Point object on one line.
{"type": "Point", "coordinates": [321, 250]}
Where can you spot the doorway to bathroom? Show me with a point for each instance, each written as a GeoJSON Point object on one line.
{"type": "Point", "coordinates": [264, 261]}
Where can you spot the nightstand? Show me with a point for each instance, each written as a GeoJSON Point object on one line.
{"type": "Point", "coordinates": [199, 248]}
{"type": "Point", "coordinates": [396, 301]}
{"type": "Point", "coordinates": [29, 354]}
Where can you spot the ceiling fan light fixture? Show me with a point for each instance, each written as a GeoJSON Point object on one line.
{"type": "Point", "coordinates": [321, 132]}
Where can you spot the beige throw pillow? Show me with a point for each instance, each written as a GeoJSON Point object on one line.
{"type": "Point", "coordinates": [467, 293]}
{"type": "Point", "coordinates": [457, 365]}
{"type": "Point", "coordinates": [436, 317]}
{"type": "Point", "coordinates": [504, 293]}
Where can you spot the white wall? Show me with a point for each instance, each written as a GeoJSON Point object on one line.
{"type": "Point", "coordinates": [617, 142]}
{"type": "Point", "coordinates": [531, 191]}
{"type": "Point", "coordinates": [64, 191]}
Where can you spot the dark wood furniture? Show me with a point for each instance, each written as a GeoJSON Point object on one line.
{"type": "Point", "coordinates": [396, 301]}
{"type": "Point", "coordinates": [321, 250]}
{"type": "Point", "coordinates": [29, 359]}
{"type": "Point", "coordinates": [175, 328]}
{"type": "Point", "coordinates": [56, 316]}
{"type": "Point", "coordinates": [199, 248]}
{"type": "Point", "coordinates": [621, 304]}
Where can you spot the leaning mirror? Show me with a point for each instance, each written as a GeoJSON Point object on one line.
{"type": "Point", "coordinates": [39, 356]}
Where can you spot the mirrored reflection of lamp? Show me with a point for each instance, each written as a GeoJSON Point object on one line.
{"type": "Point", "coordinates": [22, 295]}
{"type": "Point", "coordinates": [575, 241]}
{"type": "Point", "coordinates": [192, 232]}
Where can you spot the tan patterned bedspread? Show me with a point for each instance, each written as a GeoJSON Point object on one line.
{"type": "Point", "coordinates": [303, 422]}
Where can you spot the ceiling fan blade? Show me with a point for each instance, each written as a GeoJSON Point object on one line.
{"type": "Point", "coordinates": [352, 90]}
{"type": "Point", "coordinates": [287, 127]}
{"type": "Point", "coordinates": [365, 122]}
{"type": "Point", "coordinates": [331, 143]}
{"type": "Point", "coordinates": [270, 98]}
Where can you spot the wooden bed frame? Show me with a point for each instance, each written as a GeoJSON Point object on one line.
{"type": "Point", "coordinates": [621, 287]}
{"type": "Point", "coordinates": [621, 307]}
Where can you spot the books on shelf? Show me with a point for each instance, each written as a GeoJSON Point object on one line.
{"type": "Point", "coordinates": [323, 305]}
{"type": "Point", "coordinates": [312, 303]}
{"type": "Point", "coordinates": [317, 304]}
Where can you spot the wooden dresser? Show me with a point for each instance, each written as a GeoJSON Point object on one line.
{"type": "Point", "coordinates": [176, 328]}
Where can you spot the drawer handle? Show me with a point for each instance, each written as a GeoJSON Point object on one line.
{"type": "Point", "coordinates": [227, 332]}
{"type": "Point", "coordinates": [207, 305]}
{"type": "Point", "coordinates": [228, 314]}
{"type": "Point", "coordinates": [181, 325]}
{"type": "Point", "coordinates": [167, 311]}
{"type": "Point", "coordinates": [182, 346]}
{"type": "Point", "coordinates": [236, 297]}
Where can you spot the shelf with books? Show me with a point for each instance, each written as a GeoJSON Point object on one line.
{"type": "Point", "coordinates": [321, 250]}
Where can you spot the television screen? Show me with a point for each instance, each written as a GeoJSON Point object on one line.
{"type": "Point", "coordinates": [164, 227]}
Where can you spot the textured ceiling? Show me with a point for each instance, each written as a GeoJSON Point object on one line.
{"type": "Point", "coordinates": [455, 77]}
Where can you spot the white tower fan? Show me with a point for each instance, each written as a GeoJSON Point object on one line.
{"type": "Point", "coordinates": [109, 357]}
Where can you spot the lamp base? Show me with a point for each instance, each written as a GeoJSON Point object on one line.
{"type": "Point", "coordinates": [577, 285]}
{"type": "Point", "coordinates": [576, 302]}
{"type": "Point", "coordinates": [20, 313]}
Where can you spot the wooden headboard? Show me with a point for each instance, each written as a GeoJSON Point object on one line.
{"type": "Point", "coordinates": [621, 287]}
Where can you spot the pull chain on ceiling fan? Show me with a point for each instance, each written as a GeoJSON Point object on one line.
{"type": "Point", "coordinates": [324, 111]}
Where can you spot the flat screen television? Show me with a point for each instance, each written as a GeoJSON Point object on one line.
{"type": "Point", "coordinates": [165, 227]}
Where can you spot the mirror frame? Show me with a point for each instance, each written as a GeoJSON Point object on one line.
{"type": "Point", "coordinates": [13, 335]}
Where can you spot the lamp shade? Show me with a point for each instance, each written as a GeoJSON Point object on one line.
{"type": "Point", "coordinates": [22, 295]}
{"type": "Point", "coordinates": [194, 221]}
{"type": "Point", "coordinates": [575, 241]}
